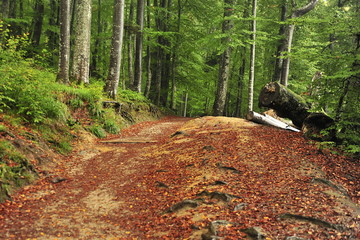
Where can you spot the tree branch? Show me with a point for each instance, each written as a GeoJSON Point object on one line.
{"type": "Point", "coordinates": [303, 10]}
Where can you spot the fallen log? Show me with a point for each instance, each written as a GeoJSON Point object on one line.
{"type": "Point", "coordinates": [268, 120]}
{"type": "Point", "coordinates": [285, 102]}
{"type": "Point", "coordinates": [288, 104]}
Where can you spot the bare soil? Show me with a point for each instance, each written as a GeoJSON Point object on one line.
{"type": "Point", "coordinates": [124, 186]}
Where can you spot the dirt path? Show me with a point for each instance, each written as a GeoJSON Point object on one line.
{"type": "Point", "coordinates": [173, 178]}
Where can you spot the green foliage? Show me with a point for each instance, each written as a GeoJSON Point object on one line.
{"type": "Point", "coordinates": [15, 170]}
{"type": "Point", "coordinates": [97, 130]}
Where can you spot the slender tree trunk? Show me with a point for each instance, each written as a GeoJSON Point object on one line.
{"type": "Point", "coordinates": [131, 45]}
{"type": "Point", "coordinates": [148, 54]}
{"type": "Point", "coordinates": [281, 47]}
{"type": "Point", "coordinates": [185, 103]}
{"type": "Point", "coordinates": [289, 37]}
{"type": "Point", "coordinates": [96, 56]}
{"type": "Point", "coordinates": [240, 85]}
{"type": "Point", "coordinates": [112, 82]}
{"type": "Point", "coordinates": [252, 60]}
{"type": "Point", "coordinates": [53, 21]}
{"type": "Point", "coordinates": [64, 59]}
{"type": "Point", "coordinates": [12, 9]}
{"type": "Point", "coordinates": [38, 22]}
{"type": "Point", "coordinates": [5, 9]}
{"type": "Point", "coordinates": [81, 58]}
{"type": "Point", "coordinates": [224, 70]}
{"type": "Point", "coordinates": [139, 46]}
{"type": "Point", "coordinates": [21, 8]}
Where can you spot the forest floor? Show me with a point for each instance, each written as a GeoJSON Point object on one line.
{"type": "Point", "coordinates": [181, 178]}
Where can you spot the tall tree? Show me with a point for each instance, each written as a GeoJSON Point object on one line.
{"type": "Point", "coordinates": [139, 45]}
{"type": "Point", "coordinates": [281, 47]}
{"type": "Point", "coordinates": [221, 93]}
{"type": "Point", "coordinates": [130, 33]}
{"type": "Point", "coordinates": [289, 38]}
{"type": "Point", "coordinates": [38, 22]}
{"type": "Point", "coordinates": [81, 56]}
{"type": "Point", "coordinates": [112, 82]}
{"type": "Point", "coordinates": [64, 56]}
{"type": "Point", "coordinates": [148, 53]}
{"type": "Point", "coordinates": [252, 59]}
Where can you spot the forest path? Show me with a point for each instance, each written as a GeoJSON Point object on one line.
{"type": "Point", "coordinates": [173, 178]}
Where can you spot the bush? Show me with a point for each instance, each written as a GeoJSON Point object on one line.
{"type": "Point", "coordinates": [98, 131]}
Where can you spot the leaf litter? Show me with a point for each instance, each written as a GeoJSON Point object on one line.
{"type": "Point", "coordinates": [117, 190]}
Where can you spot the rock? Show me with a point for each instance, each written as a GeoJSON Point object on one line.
{"type": "Point", "coordinates": [183, 204]}
{"type": "Point", "coordinates": [57, 179]}
{"type": "Point", "coordinates": [218, 195]}
{"type": "Point", "coordinates": [214, 225]}
{"type": "Point", "coordinates": [329, 183]}
{"type": "Point", "coordinates": [213, 230]}
{"type": "Point", "coordinates": [219, 183]}
{"type": "Point", "coordinates": [178, 133]}
{"type": "Point", "coordinates": [209, 148]}
{"type": "Point", "coordinates": [256, 233]}
{"type": "Point", "coordinates": [295, 238]}
{"type": "Point", "coordinates": [240, 206]}
{"type": "Point", "coordinates": [161, 185]}
{"type": "Point", "coordinates": [313, 220]}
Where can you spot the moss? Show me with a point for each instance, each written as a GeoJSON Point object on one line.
{"type": "Point", "coordinates": [15, 169]}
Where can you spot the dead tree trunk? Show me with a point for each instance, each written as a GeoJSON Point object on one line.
{"type": "Point", "coordinates": [288, 104]}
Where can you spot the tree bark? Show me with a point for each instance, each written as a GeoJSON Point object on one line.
{"type": "Point", "coordinates": [112, 82]}
{"type": "Point", "coordinates": [64, 58]}
{"type": "Point", "coordinates": [252, 60]}
{"type": "Point", "coordinates": [131, 45]}
{"type": "Point", "coordinates": [148, 55]}
{"type": "Point", "coordinates": [224, 69]}
{"type": "Point", "coordinates": [38, 22]}
{"type": "Point", "coordinates": [286, 103]}
{"type": "Point", "coordinates": [268, 120]}
{"type": "Point", "coordinates": [81, 58]}
{"type": "Point", "coordinates": [96, 56]}
{"type": "Point", "coordinates": [5, 9]}
{"type": "Point", "coordinates": [289, 37]}
{"type": "Point", "coordinates": [281, 47]}
{"type": "Point", "coordinates": [139, 46]}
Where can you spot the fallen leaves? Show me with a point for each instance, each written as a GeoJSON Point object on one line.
{"type": "Point", "coordinates": [212, 169]}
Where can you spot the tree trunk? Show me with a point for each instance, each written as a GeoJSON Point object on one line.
{"type": "Point", "coordinates": [252, 60]}
{"type": "Point", "coordinates": [94, 68]}
{"type": "Point", "coordinates": [112, 82]}
{"type": "Point", "coordinates": [148, 54]}
{"type": "Point", "coordinates": [38, 22]}
{"type": "Point", "coordinates": [5, 9]}
{"type": "Point", "coordinates": [224, 70]}
{"type": "Point", "coordinates": [12, 9]}
{"type": "Point", "coordinates": [268, 120]}
{"type": "Point", "coordinates": [81, 58]}
{"type": "Point", "coordinates": [286, 103]}
{"type": "Point", "coordinates": [281, 47]}
{"type": "Point", "coordinates": [131, 45]}
{"type": "Point", "coordinates": [289, 37]}
{"type": "Point", "coordinates": [139, 46]}
{"type": "Point", "coordinates": [64, 58]}
{"type": "Point", "coordinates": [53, 22]}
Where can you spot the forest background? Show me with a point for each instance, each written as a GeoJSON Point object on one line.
{"type": "Point", "coordinates": [196, 57]}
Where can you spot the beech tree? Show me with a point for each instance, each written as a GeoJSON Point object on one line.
{"type": "Point", "coordinates": [289, 33]}
{"type": "Point", "coordinates": [139, 45]}
{"type": "Point", "coordinates": [81, 49]}
{"type": "Point", "coordinates": [112, 81]}
{"type": "Point", "coordinates": [252, 59]}
{"type": "Point", "coordinates": [220, 97]}
{"type": "Point", "coordinates": [64, 50]}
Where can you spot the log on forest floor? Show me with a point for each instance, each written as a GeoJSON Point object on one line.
{"type": "Point", "coordinates": [268, 120]}
{"type": "Point", "coordinates": [288, 104]}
